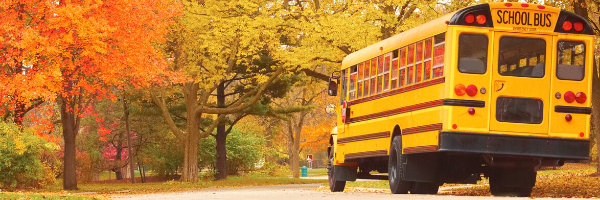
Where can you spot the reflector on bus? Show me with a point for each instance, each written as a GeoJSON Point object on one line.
{"type": "Point", "coordinates": [478, 15]}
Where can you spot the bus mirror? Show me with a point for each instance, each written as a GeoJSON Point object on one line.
{"type": "Point", "coordinates": [332, 88]}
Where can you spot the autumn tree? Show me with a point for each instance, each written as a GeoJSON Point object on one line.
{"type": "Point", "coordinates": [207, 44]}
{"type": "Point", "coordinates": [78, 50]}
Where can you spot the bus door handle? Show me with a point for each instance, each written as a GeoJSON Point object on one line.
{"type": "Point", "coordinates": [499, 85]}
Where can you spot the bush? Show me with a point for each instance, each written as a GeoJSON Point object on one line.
{"type": "Point", "coordinates": [163, 157]}
{"type": "Point", "coordinates": [274, 169]}
{"type": "Point", "coordinates": [243, 151]}
{"type": "Point", "coordinates": [21, 154]}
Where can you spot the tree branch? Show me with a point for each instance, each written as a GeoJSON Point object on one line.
{"type": "Point", "coordinates": [239, 106]}
{"type": "Point", "coordinates": [160, 102]}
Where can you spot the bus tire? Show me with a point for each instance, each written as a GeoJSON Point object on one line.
{"type": "Point", "coordinates": [424, 188]}
{"type": "Point", "coordinates": [334, 185]}
{"type": "Point", "coordinates": [396, 169]}
{"type": "Point", "coordinates": [498, 189]}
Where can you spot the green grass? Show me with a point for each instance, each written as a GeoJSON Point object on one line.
{"type": "Point", "coordinates": [316, 172]}
{"type": "Point", "coordinates": [18, 196]}
{"type": "Point", "coordinates": [231, 181]}
{"type": "Point", "coordinates": [105, 175]}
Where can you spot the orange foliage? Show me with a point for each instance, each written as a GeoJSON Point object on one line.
{"type": "Point", "coordinates": [72, 47]}
{"type": "Point", "coordinates": [317, 137]}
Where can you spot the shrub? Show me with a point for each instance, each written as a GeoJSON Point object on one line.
{"type": "Point", "coordinates": [243, 151]}
{"type": "Point", "coordinates": [21, 154]}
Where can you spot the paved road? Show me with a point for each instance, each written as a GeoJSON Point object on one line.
{"type": "Point", "coordinates": [292, 192]}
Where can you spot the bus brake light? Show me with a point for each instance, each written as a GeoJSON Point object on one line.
{"type": "Point", "coordinates": [569, 97]}
{"type": "Point", "coordinates": [578, 26]}
{"type": "Point", "coordinates": [580, 97]}
{"type": "Point", "coordinates": [460, 89]}
{"type": "Point", "coordinates": [481, 19]}
{"type": "Point", "coordinates": [567, 26]}
{"type": "Point", "coordinates": [471, 90]}
{"type": "Point", "coordinates": [469, 18]}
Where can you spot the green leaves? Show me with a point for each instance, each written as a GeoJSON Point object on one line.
{"type": "Point", "coordinates": [21, 164]}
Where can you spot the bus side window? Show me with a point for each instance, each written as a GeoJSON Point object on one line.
{"type": "Point", "coordinates": [571, 60]}
{"type": "Point", "coordinates": [386, 71]}
{"type": "Point", "coordinates": [359, 83]}
{"type": "Point", "coordinates": [373, 76]}
{"type": "Point", "coordinates": [472, 53]}
{"type": "Point", "coordinates": [438, 55]}
{"type": "Point", "coordinates": [394, 69]}
{"type": "Point", "coordinates": [366, 80]}
{"type": "Point", "coordinates": [419, 63]}
{"type": "Point", "coordinates": [402, 66]}
{"type": "Point", "coordinates": [344, 89]}
{"type": "Point", "coordinates": [352, 91]}
{"type": "Point", "coordinates": [411, 63]}
{"type": "Point", "coordinates": [427, 60]}
{"type": "Point", "coordinates": [379, 74]}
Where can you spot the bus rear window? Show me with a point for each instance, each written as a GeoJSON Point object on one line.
{"type": "Point", "coordinates": [571, 60]}
{"type": "Point", "coordinates": [523, 57]}
{"type": "Point", "coordinates": [472, 53]}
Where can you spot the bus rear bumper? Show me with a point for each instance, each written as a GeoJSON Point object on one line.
{"type": "Point", "coordinates": [510, 145]}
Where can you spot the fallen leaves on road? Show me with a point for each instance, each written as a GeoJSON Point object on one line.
{"type": "Point", "coordinates": [325, 188]}
{"type": "Point", "coordinates": [570, 183]}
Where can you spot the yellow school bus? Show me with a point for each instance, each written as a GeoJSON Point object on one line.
{"type": "Point", "coordinates": [495, 90]}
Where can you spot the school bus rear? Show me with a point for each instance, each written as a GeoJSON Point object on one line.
{"type": "Point", "coordinates": [521, 82]}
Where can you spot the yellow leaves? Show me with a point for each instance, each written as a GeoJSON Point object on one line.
{"type": "Point", "coordinates": [570, 181]}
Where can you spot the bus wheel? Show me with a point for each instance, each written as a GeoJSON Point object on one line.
{"type": "Point", "coordinates": [396, 168]}
{"type": "Point", "coordinates": [424, 188]}
{"type": "Point", "coordinates": [334, 185]}
{"type": "Point", "coordinates": [498, 189]}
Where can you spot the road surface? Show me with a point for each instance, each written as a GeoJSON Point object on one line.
{"type": "Point", "coordinates": [292, 192]}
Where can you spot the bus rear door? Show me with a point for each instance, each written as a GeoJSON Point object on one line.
{"type": "Point", "coordinates": [521, 71]}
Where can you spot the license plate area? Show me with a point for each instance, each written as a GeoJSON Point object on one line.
{"type": "Point", "coordinates": [519, 110]}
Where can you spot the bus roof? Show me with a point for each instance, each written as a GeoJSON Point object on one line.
{"type": "Point", "coordinates": [423, 31]}
{"type": "Point", "coordinates": [440, 25]}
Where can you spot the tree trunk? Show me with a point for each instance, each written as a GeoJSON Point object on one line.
{"type": "Point", "coordinates": [119, 158]}
{"type": "Point", "coordinates": [221, 138]}
{"type": "Point", "coordinates": [190, 161]}
{"type": "Point", "coordinates": [129, 149]}
{"type": "Point", "coordinates": [221, 154]}
{"type": "Point", "coordinates": [293, 149]}
{"type": "Point", "coordinates": [70, 163]}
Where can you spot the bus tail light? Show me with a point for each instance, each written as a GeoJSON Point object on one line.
{"type": "Point", "coordinates": [567, 26]}
{"type": "Point", "coordinates": [569, 97]}
{"type": "Point", "coordinates": [568, 117]}
{"type": "Point", "coordinates": [471, 90]}
{"type": "Point", "coordinates": [469, 18]}
{"type": "Point", "coordinates": [580, 97]}
{"type": "Point", "coordinates": [460, 89]}
{"type": "Point", "coordinates": [578, 26]}
{"type": "Point", "coordinates": [471, 111]}
{"type": "Point", "coordinates": [481, 19]}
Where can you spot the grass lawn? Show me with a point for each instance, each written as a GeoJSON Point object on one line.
{"type": "Point", "coordinates": [315, 172]}
{"type": "Point", "coordinates": [104, 190]}
{"type": "Point", "coordinates": [18, 196]}
{"type": "Point", "coordinates": [105, 175]}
